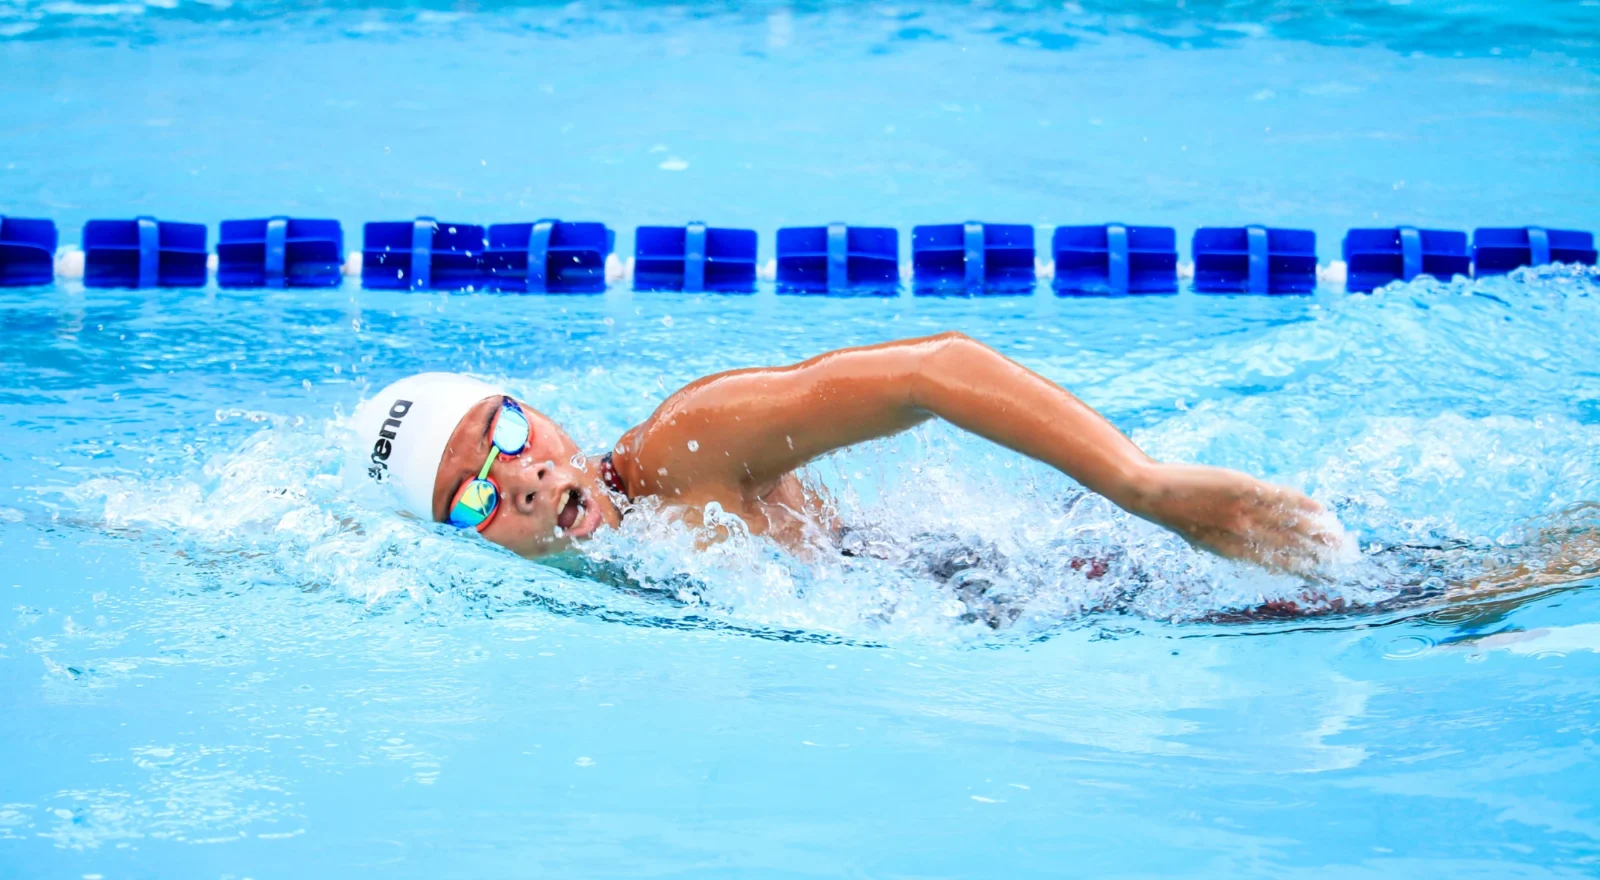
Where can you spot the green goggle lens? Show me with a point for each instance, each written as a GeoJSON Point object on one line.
{"type": "Point", "coordinates": [475, 504]}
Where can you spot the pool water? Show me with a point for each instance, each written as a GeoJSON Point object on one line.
{"type": "Point", "coordinates": [222, 654]}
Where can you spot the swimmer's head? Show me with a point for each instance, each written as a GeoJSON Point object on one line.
{"type": "Point", "coordinates": [427, 435]}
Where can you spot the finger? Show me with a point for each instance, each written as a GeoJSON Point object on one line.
{"type": "Point", "coordinates": [1309, 505]}
{"type": "Point", "coordinates": [1320, 557]}
{"type": "Point", "coordinates": [1291, 499]}
{"type": "Point", "coordinates": [1305, 566]}
{"type": "Point", "coordinates": [1308, 530]}
{"type": "Point", "coordinates": [1301, 547]}
{"type": "Point", "coordinates": [1317, 532]}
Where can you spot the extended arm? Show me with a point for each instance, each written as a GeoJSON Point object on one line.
{"type": "Point", "coordinates": [750, 427]}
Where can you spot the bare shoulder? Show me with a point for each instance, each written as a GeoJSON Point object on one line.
{"type": "Point", "coordinates": [746, 428]}
{"type": "Point", "coordinates": [677, 449]}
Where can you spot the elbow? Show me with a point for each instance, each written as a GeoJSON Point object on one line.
{"type": "Point", "coordinates": [939, 357]}
{"type": "Point", "coordinates": [949, 345]}
{"type": "Point", "coordinates": [952, 347]}
{"type": "Point", "coordinates": [951, 337]}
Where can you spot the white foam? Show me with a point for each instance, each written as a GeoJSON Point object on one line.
{"type": "Point", "coordinates": [69, 264]}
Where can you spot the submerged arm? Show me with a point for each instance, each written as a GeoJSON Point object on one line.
{"type": "Point", "coordinates": [750, 427]}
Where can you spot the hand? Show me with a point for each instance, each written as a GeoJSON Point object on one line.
{"type": "Point", "coordinates": [1240, 517]}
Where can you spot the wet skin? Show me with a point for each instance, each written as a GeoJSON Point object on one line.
{"type": "Point", "coordinates": [737, 438]}
{"type": "Point", "coordinates": [535, 485]}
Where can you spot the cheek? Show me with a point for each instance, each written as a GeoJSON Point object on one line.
{"type": "Point", "coordinates": [551, 445]}
{"type": "Point", "coordinates": [523, 536]}
{"type": "Point", "coordinates": [514, 532]}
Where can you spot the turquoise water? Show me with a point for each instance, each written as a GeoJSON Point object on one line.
{"type": "Point", "coordinates": [222, 656]}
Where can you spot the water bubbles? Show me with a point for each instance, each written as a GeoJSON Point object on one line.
{"type": "Point", "coordinates": [694, 445]}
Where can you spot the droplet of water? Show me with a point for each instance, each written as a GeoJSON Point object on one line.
{"type": "Point", "coordinates": [1407, 647]}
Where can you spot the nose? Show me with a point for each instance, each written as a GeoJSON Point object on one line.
{"type": "Point", "coordinates": [532, 484]}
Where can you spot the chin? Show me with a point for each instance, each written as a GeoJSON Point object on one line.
{"type": "Point", "coordinates": [542, 550]}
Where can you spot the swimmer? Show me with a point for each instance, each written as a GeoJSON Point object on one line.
{"type": "Point", "coordinates": [457, 450]}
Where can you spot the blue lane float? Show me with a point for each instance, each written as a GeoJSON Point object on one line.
{"type": "Point", "coordinates": [421, 254]}
{"type": "Point", "coordinates": [839, 259]}
{"type": "Point", "coordinates": [27, 251]}
{"type": "Point", "coordinates": [280, 252]}
{"type": "Point", "coordinates": [144, 252]}
{"type": "Point", "coordinates": [548, 256]}
{"type": "Point", "coordinates": [972, 258]}
{"type": "Point", "coordinates": [968, 258]}
{"type": "Point", "coordinates": [1375, 257]}
{"type": "Point", "coordinates": [1254, 259]}
{"type": "Point", "coordinates": [1115, 259]}
{"type": "Point", "coordinates": [694, 258]}
{"type": "Point", "coordinates": [1496, 251]}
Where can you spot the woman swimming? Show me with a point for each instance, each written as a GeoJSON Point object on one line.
{"type": "Point", "coordinates": [459, 451]}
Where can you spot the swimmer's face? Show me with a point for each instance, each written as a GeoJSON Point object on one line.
{"type": "Point", "coordinates": [545, 488]}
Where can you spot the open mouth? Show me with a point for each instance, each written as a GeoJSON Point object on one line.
{"type": "Point", "coordinates": [571, 510]}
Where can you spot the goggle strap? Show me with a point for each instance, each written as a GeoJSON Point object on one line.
{"type": "Point", "coordinates": [494, 453]}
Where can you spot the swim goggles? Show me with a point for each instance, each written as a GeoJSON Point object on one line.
{"type": "Point", "coordinates": [478, 499]}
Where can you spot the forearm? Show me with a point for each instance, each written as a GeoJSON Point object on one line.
{"type": "Point", "coordinates": [979, 390]}
{"type": "Point", "coordinates": [1229, 513]}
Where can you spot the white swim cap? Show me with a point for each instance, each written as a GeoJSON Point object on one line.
{"type": "Point", "coordinates": [405, 428]}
